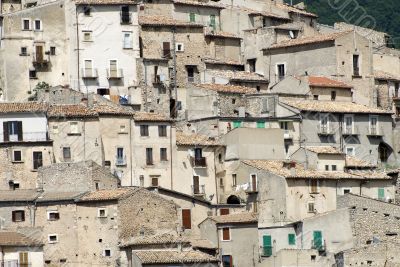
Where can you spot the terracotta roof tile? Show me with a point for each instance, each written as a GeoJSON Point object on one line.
{"type": "Point", "coordinates": [17, 239]}
{"type": "Point", "coordinates": [332, 106]}
{"type": "Point", "coordinates": [172, 257]}
{"type": "Point", "coordinates": [77, 110]}
{"type": "Point", "coordinates": [382, 75]}
{"type": "Point", "coordinates": [240, 76]}
{"type": "Point", "coordinates": [112, 109]}
{"type": "Point", "coordinates": [23, 107]}
{"type": "Point", "coordinates": [320, 38]}
{"type": "Point", "coordinates": [318, 81]}
{"type": "Point", "coordinates": [198, 3]}
{"type": "Point", "coordinates": [222, 35]}
{"type": "Point", "coordinates": [184, 139]}
{"type": "Point", "coordinates": [149, 116]}
{"type": "Point", "coordinates": [324, 150]}
{"type": "Point", "coordinates": [299, 172]}
{"type": "Point", "coordinates": [266, 14]}
{"type": "Point", "coordinates": [236, 218]}
{"type": "Point", "coordinates": [222, 62]}
{"type": "Point", "coordinates": [18, 195]}
{"type": "Point", "coordinates": [59, 196]}
{"type": "Point", "coordinates": [107, 194]}
{"type": "Point", "coordinates": [162, 21]}
{"type": "Point", "coordinates": [288, 26]}
{"type": "Point", "coordinates": [162, 239]}
{"type": "Point", "coordinates": [353, 162]}
{"type": "Point", "coordinates": [105, 2]}
{"type": "Point", "coordinates": [292, 9]}
{"type": "Point", "coordinates": [202, 243]}
{"type": "Point", "coordinates": [224, 88]}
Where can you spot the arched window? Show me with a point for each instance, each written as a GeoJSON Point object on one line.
{"type": "Point", "coordinates": [233, 200]}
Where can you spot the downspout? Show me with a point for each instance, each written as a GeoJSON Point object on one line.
{"type": "Point", "coordinates": [130, 145]}
{"type": "Point", "coordinates": [174, 73]}
{"type": "Point", "coordinates": [77, 47]}
{"type": "Point", "coordinates": [171, 148]}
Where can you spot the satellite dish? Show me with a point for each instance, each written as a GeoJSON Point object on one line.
{"type": "Point", "coordinates": [291, 33]}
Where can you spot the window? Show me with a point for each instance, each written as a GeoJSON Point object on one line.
{"type": "Point", "coordinates": [26, 24]}
{"type": "Point", "coordinates": [37, 160]}
{"type": "Point", "coordinates": [122, 128]}
{"type": "Point", "coordinates": [284, 125]}
{"type": "Point", "coordinates": [227, 261]}
{"type": "Point", "coordinates": [163, 154]}
{"type": "Point", "coordinates": [213, 24]}
{"type": "Point", "coordinates": [149, 156]}
{"type": "Point", "coordinates": [162, 130]}
{"type": "Point", "coordinates": [55, 129]}
{"type": "Point", "coordinates": [253, 182]}
{"type": "Point", "coordinates": [166, 50]}
{"type": "Point", "coordinates": [66, 153]}
{"type": "Point", "coordinates": [113, 69]}
{"type": "Point", "coordinates": [237, 124]}
{"type": "Point", "coordinates": [38, 25]}
{"type": "Point", "coordinates": [127, 42]}
{"type": "Point", "coordinates": [125, 15]}
{"type": "Point", "coordinates": [87, 10]}
{"type": "Point", "coordinates": [53, 215]}
{"type": "Point", "coordinates": [311, 207]}
{"type": "Point", "coordinates": [234, 179]}
{"type": "Point", "coordinates": [23, 259]}
{"type": "Point", "coordinates": [233, 100]}
{"type": "Point", "coordinates": [350, 151]}
{"type": "Point", "coordinates": [144, 130]}
{"type": "Point", "coordinates": [87, 36]}
{"type": "Point", "coordinates": [324, 123]}
{"type": "Point", "coordinates": [73, 126]}
{"type": "Point", "coordinates": [24, 51]}
{"type": "Point", "coordinates": [12, 131]}
{"type": "Point", "coordinates": [186, 219]}
{"type": "Point", "coordinates": [348, 124]}
{"type": "Point", "coordinates": [252, 64]}
{"type": "Point", "coordinates": [141, 180]}
{"type": "Point", "coordinates": [103, 91]}
{"type": "Point", "coordinates": [154, 181]}
{"type": "Point", "coordinates": [179, 47]}
{"type": "Point", "coordinates": [32, 74]}
{"type": "Point", "coordinates": [396, 89]}
{"type": "Point", "coordinates": [13, 185]}
{"type": "Point", "coordinates": [120, 156]}
{"type": "Point", "coordinates": [373, 124]}
{"type": "Point", "coordinates": [334, 168]}
{"type": "Point", "coordinates": [192, 17]}
{"type": "Point", "coordinates": [52, 238]}
{"type": "Point", "coordinates": [18, 216]}
{"type": "Point", "coordinates": [52, 50]}
{"type": "Point", "coordinates": [281, 71]}
{"type": "Point", "coordinates": [190, 74]}
{"type": "Point", "coordinates": [326, 167]}
{"type": "Point", "coordinates": [333, 95]}
{"type": "Point", "coordinates": [315, 97]}
{"type": "Point", "coordinates": [313, 186]}
{"type": "Point", "coordinates": [17, 155]}
{"type": "Point", "coordinates": [356, 66]}
{"type": "Point", "coordinates": [226, 234]}
{"type": "Point", "coordinates": [292, 239]}
{"type": "Point", "coordinates": [346, 191]}
{"type": "Point", "coordinates": [107, 253]}
{"type": "Point", "coordinates": [101, 213]}
{"type": "Point", "coordinates": [381, 193]}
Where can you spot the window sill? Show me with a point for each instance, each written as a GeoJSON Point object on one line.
{"type": "Point", "coordinates": [24, 55]}
{"type": "Point", "coordinates": [33, 78]}
{"type": "Point", "coordinates": [74, 134]}
{"type": "Point", "coordinates": [33, 170]}
{"type": "Point", "coordinates": [127, 48]}
{"type": "Point", "coordinates": [122, 132]}
{"type": "Point", "coordinates": [26, 30]}
{"type": "Point", "coordinates": [356, 76]}
{"type": "Point", "coordinates": [17, 161]}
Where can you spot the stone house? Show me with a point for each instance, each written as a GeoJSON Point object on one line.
{"type": "Point", "coordinates": [24, 143]}
{"type": "Point", "coordinates": [235, 235]}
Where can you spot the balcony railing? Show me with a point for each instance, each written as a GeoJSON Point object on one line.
{"type": "Point", "coordinates": [375, 131]}
{"type": "Point", "coordinates": [198, 190]}
{"type": "Point", "coordinates": [89, 73]}
{"type": "Point", "coordinates": [350, 130]}
{"type": "Point", "coordinates": [120, 161]}
{"type": "Point", "coordinates": [26, 137]}
{"type": "Point", "coordinates": [325, 130]}
{"type": "Point", "coordinates": [252, 188]}
{"type": "Point", "coordinates": [14, 263]}
{"type": "Point", "coordinates": [318, 245]}
{"type": "Point", "coordinates": [266, 251]}
{"type": "Point", "coordinates": [199, 162]}
{"type": "Point", "coordinates": [40, 59]}
{"type": "Point", "coordinates": [126, 17]}
{"type": "Point", "coordinates": [115, 74]}
{"type": "Point", "coordinates": [287, 134]}
{"type": "Point", "coordinates": [190, 79]}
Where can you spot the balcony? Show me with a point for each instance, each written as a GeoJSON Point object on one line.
{"type": "Point", "coordinates": [287, 134]}
{"type": "Point", "coordinates": [199, 162]}
{"type": "Point", "coordinates": [40, 59]}
{"type": "Point", "coordinates": [115, 74]}
{"type": "Point", "coordinates": [25, 137]}
{"type": "Point", "coordinates": [375, 131]}
{"type": "Point", "coordinates": [89, 73]}
{"type": "Point", "coordinates": [14, 263]}
{"type": "Point", "coordinates": [126, 17]}
{"type": "Point", "coordinates": [120, 161]}
{"type": "Point", "coordinates": [318, 245]}
{"type": "Point", "coordinates": [348, 131]}
{"type": "Point", "coordinates": [266, 251]}
{"type": "Point", "coordinates": [253, 189]}
{"type": "Point", "coordinates": [325, 130]}
{"type": "Point", "coordinates": [198, 190]}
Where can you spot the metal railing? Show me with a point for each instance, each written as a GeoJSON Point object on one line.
{"type": "Point", "coordinates": [375, 131]}
{"type": "Point", "coordinates": [14, 263]}
{"type": "Point", "coordinates": [114, 73]}
{"type": "Point", "coordinates": [89, 73]}
{"type": "Point", "coordinates": [288, 134]}
{"type": "Point", "coordinates": [26, 137]}
{"type": "Point", "coordinates": [350, 130]}
{"type": "Point", "coordinates": [266, 251]}
{"type": "Point", "coordinates": [199, 162]}
{"type": "Point", "coordinates": [120, 161]}
{"type": "Point", "coordinates": [318, 245]}
{"type": "Point", "coordinates": [325, 130]}
{"type": "Point", "coordinates": [126, 17]}
{"type": "Point", "coordinates": [40, 58]}
{"type": "Point", "coordinates": [198, 190]}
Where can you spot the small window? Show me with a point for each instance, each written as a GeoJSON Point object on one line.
{"type": "Point", "coordinates": [190, 74]}
{"type": "Point", "coordinates": [127, 41]}
{"type": "Point", "coordinates": [314, 186]}
{"type": "Point", "coordinates": [311, 207]}
{"type": "Point", "coordinates": [224, 211]}
{"type": "Point", "coordinates": [24, 51]}
{"type": "Point", "coordinates": [87, 36]}
{"type": "Point", "coordinates": [179, 47]}
{"type": "Point", "coordinates": [163, 154]}
{"type": "Point", "coordinates": [74, 129]}
{"type": "Point", "coordinates": [53, 215]}
{"type": "Point", "coordinates": [226, 234]}
{"type": "Point", "coordinates": [141, 180]}
{"type": "Point", "coordinates": [149, 156]}
{"type": "Point", "coordinates": [144, 130]}
{"type": "Point", "coordinates": [333, 95]}
{"type": "Point", "coordinates": [292, 239]}
{"type": "Point", "coordinates": [326, 167]}
{"type": "Point", "coordinates": [55, 129]}
{"type": "Point", "coordinates": [162, 130]}
{"type": "Point", "coordinates": [334, 168]}
{"type": "Point", "coordinates": [26, 24]}
{"type": "Point", "coordinates": [192, 17]}
{"type": "Point", "coordinates": [52, 50]}
{"type": "Point", "coordinates": [32, 74]}
{"type": "Point", "coordinates": [107, 253]}
{"type": "Point", "coordinates": [17, 156]}
{"type": "Point", "coordinates": [38, 25]}
{"type": "Point", "coordinates": [233, 101]}
{"type": "Point", "coordinates": [281, 71]}
{"type": "Point", "coordinates": [186, 219]}
{"type": "Point", "coordinates": [122, 128]}
{"type": "Point", "coordinates": [52, 239]}
{"type": "Point", "coordinates": [37, 159]}
{"type": "Point", "coordinates": [234, 179]}
{"type": "Point", "coordinates": [87, 10]}
{"type": "Point", "coordinates": [315, 97]}
{"type": "Point", "coordinates": [356, 65]}
{"type": "Point", "coordinates": [154, 181]}
{"type": "Point", "coordinates": [102, 213]}
{"type": "Point", "coordinates": [67, 153]}
{"type": "Point", "coordinates": [346, 191]}
{"type": "Point", "coordinates": [18, 216]}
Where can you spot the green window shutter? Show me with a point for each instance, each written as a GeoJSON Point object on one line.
{"type": "Point", "coordinates": [260, 124]}
{"type": "Point", "coordinates": [212, 22]}
{"type": "Point", "coordinates": [267, 246]}
{"type": "Point", "coordinates": [317, 241]}
{"type": "Point", "coordinates": [192, 17]}
{"type": "Point", "coordinates": [292, 239]}
{"type": "Point", "coordinates": [237, 124]}
{"type": "Point", "coordinates": [381, 193]}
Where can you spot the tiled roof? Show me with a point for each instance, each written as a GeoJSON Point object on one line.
{"type": "Point", "coordinates": [240, 76]}
{"type": "Point", "coordinates": [382, 75]}
{"type": "Point", "coordinates": [353, 162]}
{"type": "Point", "coordinates": [17, 239]}
{"type": "Point", "coordinates": [77, 110]}
{"type": "Point", "coordinates": [150, 116]}
{"type": "Point", "coordinates": [202, 243]}
{"type": "Point", "coordinates": [324, 150]}
{"type": "Point", "coordinates": [222, 62]}
{"type": "Point", "coordinates": [223, 35]}
{"type": "Point", "coordinates": [23, 107]}
{"type": "Point", "coordinates": [332, 106]}
{"type": "Point", "coordinates": [18, 195]}
{"type": "Point", "coordinates": [308, 40]}
{"type": "Point", "coordinates": [112, 109]}
{"type": "Point", "coordinates": [265, 14]}
{"type": "Point", "coordinates": [184, 139]}
{"type": "Point", "coordinates": [198, 3]}
{"type": "Point", "coordinates": [162, 239]}
{"type": "Point", "coordinates": [107, 194]}
{"type": "Point", "coordinates": [298, 171]}
{"type": "Point", "coordinates": [292, 9]}
{"type": "Point", "coordinates": [226, 88]}
{"type": "Point", "coordinates": [105, 2]}
{"type": "Point", "coordinates": [58, 196]}
{"type": "Point", "coordinates": [318, 81]}
{"type": "Point", "coordinates": [161, 21]}
{"type": "Point", "coordinates": [236, 218]}
{"type": "Point", "coordinates": [173, 257]}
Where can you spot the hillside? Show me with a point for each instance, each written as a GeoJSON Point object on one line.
{"type": "Point", "coordinates": [385, 12]}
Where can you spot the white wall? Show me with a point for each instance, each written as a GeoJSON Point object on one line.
{"type": "Point", "coordinates": [34, 125]}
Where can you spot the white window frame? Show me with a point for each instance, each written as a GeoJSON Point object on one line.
{"type": "Point", "coordinates": [130, 46]}
{"type": "Point", "coordinates": [55, 129]}
{"type": "Point", "coordinates": [182, 46]}
{"type": "Point", "coordinates": [83, 36]}
{"type": "Point", "coordinates": [222, 234]}
{"type": "Point", "coordinates": [370, 122]}
{"type": "Point", "coordinates": [105, 212]}
{"type": "Point", "coordinates": [40, 23]}
{"type": "Point", "coordinates": [353, 153]}
{"type": "Point", "coordinates": [308, 207]}
{"type": "Point", "coordinates": [352, 121]}
{"type": "Point", "coordinates": [13, 159]}
{"type": "Point", "coordinates": [92, 66]}
{"type": "Point", "coordinates": [52, 211]}
{"type": "Point", "coordinates": [251, 181]}
{"type": "Point", "coordinates": [72, 128]}
{"type": "Point", "coordinates": [52, 242]}
{"type": "Point", "coordinates": [346, 188]}
{"type": "Point", "coordinates": [309, 186]}
{"type": "Point", "coordinates": [104, 252]}
{"type": "Point", "coordinates": [22, 24]}
{"type": "Point", "coordinates": [360, 71]}
{"type": "Point", "coordinates": [328, 121]}
{"type": "Point", "coordinates": [116, 64]}
{"type": "Point", "coordinates": [277, 69]}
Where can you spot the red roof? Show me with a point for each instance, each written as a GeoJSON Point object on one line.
{"type": "Point", "coordinates": [317, 81]}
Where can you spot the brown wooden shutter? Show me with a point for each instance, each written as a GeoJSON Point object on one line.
{"type": "Point", "coordinates": [226, 234]}
{"type": "Point", "coordinates": [224, 212]}
{"type": "Point", "coordinates": [19, 130]}
{"type": "Point", "coordinates": [166, 49]}
{"type": "Point", "coordinates": [5, 132]}
{"type": "Point", "coordinates": [23, 216]}
{"type": "Point", "coordinates": [186, 219]}
{"type": "Point", "coordinates": [13, 215]}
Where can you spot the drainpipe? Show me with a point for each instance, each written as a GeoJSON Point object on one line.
{"type": "Point", "coordinates": [77, 47]}
{"type": "Point", "coordinates": [171, 149]}
{"type": "Point", "coordinates": [130, 145]}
